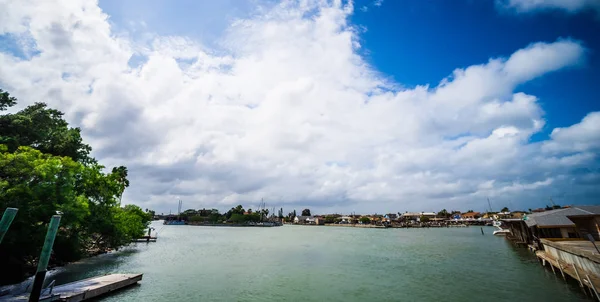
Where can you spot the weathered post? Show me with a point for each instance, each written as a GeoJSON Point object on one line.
{"type": "Point", "coordinates": [7, 218]}
{"type": "Point", "coordinates": [40, 275]}
{"type": "Point", "coordinates": [482, 231]}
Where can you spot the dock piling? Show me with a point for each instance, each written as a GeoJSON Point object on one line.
{"type": "Point", "coordinates": [7, 218]}
{"type": "Point", "coordinates": [40, 275]}
{"type": "Point", "coordinates": [592, 286]}
{"type": "Point", "coordinates": [561, 270]}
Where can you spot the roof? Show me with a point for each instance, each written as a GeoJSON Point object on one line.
{"type": "Point", "coordinates": [304, 217]}
{"type": "Point", "coordinates": [591, 210]}
{"type": "Point", "coordinates": [556, 217]}
{"type": "Point", "coordinates": [419, 214]}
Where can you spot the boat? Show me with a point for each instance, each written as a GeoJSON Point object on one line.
{"type": "Point", "coordinates": [501, 232]}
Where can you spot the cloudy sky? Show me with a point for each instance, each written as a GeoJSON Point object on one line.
{"type": "Point", "coordinates": [366, 106]}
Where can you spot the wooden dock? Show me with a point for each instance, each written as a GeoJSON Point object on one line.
{"type": "Point", "coordinates": [85, 289]}
{"type": "Point", "coordinates": [145, 239]}
{"type": "Point", "coordinates": [585, 279]}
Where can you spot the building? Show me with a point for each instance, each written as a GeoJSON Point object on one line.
{"type": "Point", "coordinates": [320, 220]}
{"type": "Point", "coordinates": [587, 221]}
{"type": "Point", "coordinates": [470, 215]}
{"type": "Point", "coordinates": [390, 217]}
{"type": "Point", "coordinates": [566, 223]}
{"type": "Point", "coordinates": [346, 220]}
{"type": "Point", "coordinates": [416, 216]}
{"type": "Point", "coordinates": [303, 219]}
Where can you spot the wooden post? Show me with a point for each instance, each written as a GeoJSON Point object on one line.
{"type": "Point", "coordinates": [578, 277]}
{"type": "Point", "coordinates": [561, 270]}
{"type": "Point", "coordinates": [7, 219]}
{"type": "Point", "coordinates": [552, 267]}
{"type": "Point", "coordinates": [482, 231]}
{"type": "Point", "coordinates": [40, 275]}
{"type": "Point", "coordinates": [592, 286]}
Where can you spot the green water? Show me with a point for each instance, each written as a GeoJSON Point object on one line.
{"type": "Point", "coordinates": [316, 263]}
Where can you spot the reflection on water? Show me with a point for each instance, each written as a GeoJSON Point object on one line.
{"type": "Point", "coordinates": [291, 263]}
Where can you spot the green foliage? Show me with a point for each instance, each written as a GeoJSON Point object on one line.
{"type": "Point", "coordinates": [505, 209]}
{"type": "Point", "coordinates": [424, 219]}
{"type": "Point", "coordinates": [6, 100]}
{"type": "Point", "coordinates": [43, 129]}
{"type": "Point", "coordinates": [305, 212]}
{"type": "Point", "coordinates": [443, 213]}
{"type": "Point", "coordinates": [45, 168]}
{"type": "Point", "coordinates": [365, 220]}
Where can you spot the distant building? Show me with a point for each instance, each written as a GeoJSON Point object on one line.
{"type": "Point", "coordinates": [416, 216]}
{"type": "Point", "coordinates": [319, 220]}
{"type": "Point", "coordinates": [346, 220]}
{"type": "Point", "coordinates": [470, 215]}
{"type": "Point", "coordinates": [303, 219]}
{"type": "Point", "coordinates": [391, 217]}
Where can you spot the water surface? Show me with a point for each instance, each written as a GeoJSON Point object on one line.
{"type": "Point", "coordinates": [317, 263]}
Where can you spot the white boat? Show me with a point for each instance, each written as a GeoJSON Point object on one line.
{"type": "Point", "coordinates": [500, 231]}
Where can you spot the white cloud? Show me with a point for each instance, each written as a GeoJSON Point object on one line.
{"type": "Point", "coordinates": [581, 137]}
{"type": "Point", "coordinates": [288, 110]}
{"type": "Point", "coordinates": [378, 2]}
{"type": "Point", "coordinates": [570, 6]}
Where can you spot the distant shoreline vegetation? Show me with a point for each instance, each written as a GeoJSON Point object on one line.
{"type": "Point", "coordinates": [236, 216]}
{"type": "Point", "coordinates": [46, 169]}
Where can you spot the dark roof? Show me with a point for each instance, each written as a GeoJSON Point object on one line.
{"type": "Point", "coordinates": [559, 217]}
{"type": "Point", "coordinates": [591, 210]}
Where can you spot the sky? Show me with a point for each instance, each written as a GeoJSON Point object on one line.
{"type": "Point", "coordinates": [367, 106]}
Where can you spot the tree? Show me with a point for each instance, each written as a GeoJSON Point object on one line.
{"type": "Point", "coordinates": [470, 211]}
{"type": "Point", "coordinates": [505, 209]}
{"type": "Point", "coordinates": [365, 220]}
{"type": "Point", "coordinates": [41, 128]}
{"type": "Point", "coordinates": [424, 219]}
{"type": "Point", "coordinates": [6, 100]}
{"type": "Point", "coordinates": [443, 213]}
{"type": "Point", "coordinates": [45, 168]}
{"type": "Point", "coordinates": [120, 176]}
{"type": "Point", "coordinates": [306, 212]}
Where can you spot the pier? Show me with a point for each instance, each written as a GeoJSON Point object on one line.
{"type": "Point", "coordinates": [84, 289]}
{"type": "Point", "coordinates": [575, 258]}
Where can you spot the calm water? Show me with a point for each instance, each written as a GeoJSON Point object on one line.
{"type": "Point", "coordinates": [296, 263]}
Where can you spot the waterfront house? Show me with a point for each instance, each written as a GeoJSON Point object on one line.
{"type": "Point", "coordinates": [390, 217]}
{"type": "Point", "coordinates": [416, 216]}
{"type": "Point", "coordinates": [587, 221]}
{"type": "Point", "coordinates": [470, 215]}
{"type": "Point", "coordinates": [566, 223]}
{"type": "Point", "coordinates": [303, 219]}
{"type": "Point", "coordinates": [319, 220]}
{"type": "Point", "coordinates": [346, 220]}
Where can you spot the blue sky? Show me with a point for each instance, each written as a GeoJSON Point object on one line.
{"type": "Point", "coordinates": [419, 42]}
{"type": "Point", "coordinates": [373, 106]}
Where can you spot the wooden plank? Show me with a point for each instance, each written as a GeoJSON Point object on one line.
{"type": "Point", "coordinates": [85, 289]}
{"type": "Point", "coordinates": [93, 287]}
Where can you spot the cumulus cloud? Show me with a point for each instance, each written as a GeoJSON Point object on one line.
{"type": "Point", "coordinates": [570, 6]}
{"type": "Point", "coordinates": [287, 110]}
